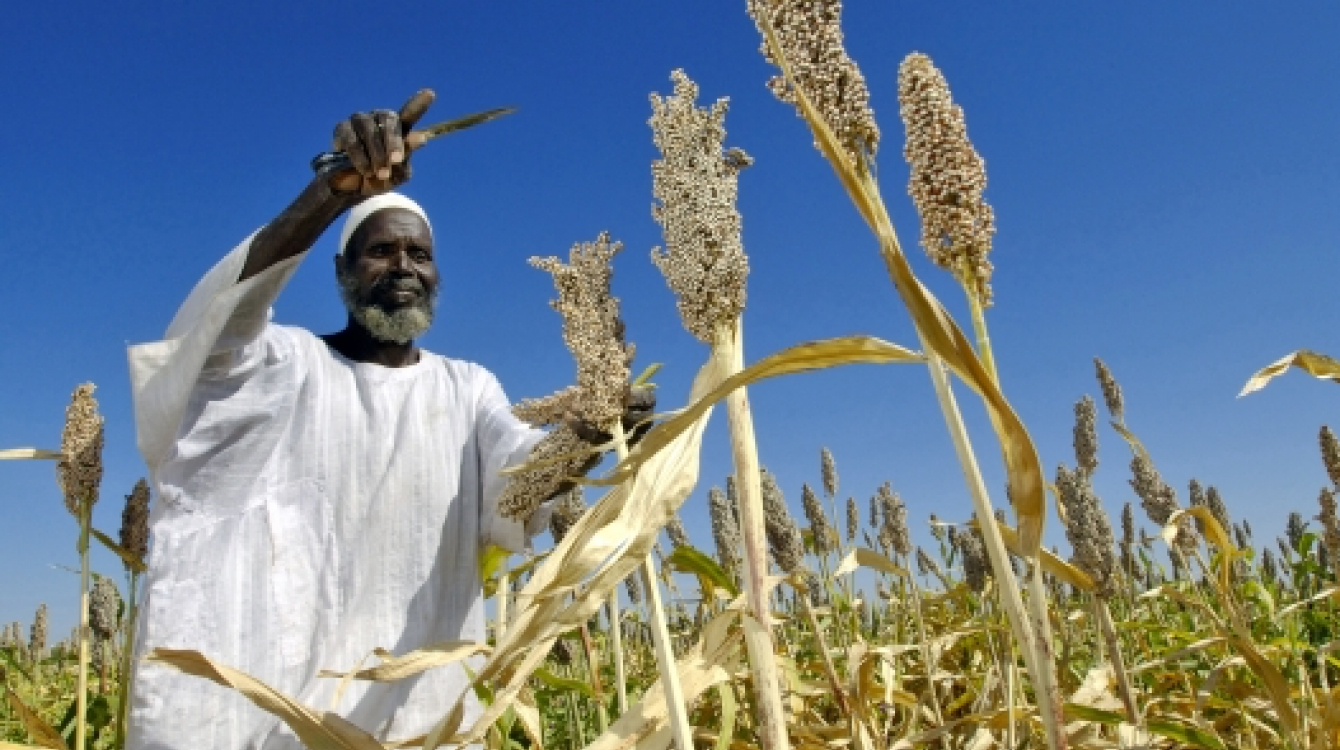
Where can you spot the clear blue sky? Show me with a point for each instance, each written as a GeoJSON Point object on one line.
{"type": "Point", "coordinates": [1165, 178]}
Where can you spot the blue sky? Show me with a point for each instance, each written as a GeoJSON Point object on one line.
{"type": "Point", "coordinates": [1164, 177]}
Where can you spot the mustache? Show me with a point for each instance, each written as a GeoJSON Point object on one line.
{"type": "Point", "coordinates": [398, 284]}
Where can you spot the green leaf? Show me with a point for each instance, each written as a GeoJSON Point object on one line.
{"type": "Point", "coordinates": [687, 559]}
{"type": "Point", "coordinates": [563, 683]}
{"type": "Point", "coordinates": [7, 654]}
{"type": "Point", "coordinates": [1175, 730]}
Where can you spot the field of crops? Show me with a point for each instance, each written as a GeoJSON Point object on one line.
{"type": "Point", "coordinates": [807, 620]}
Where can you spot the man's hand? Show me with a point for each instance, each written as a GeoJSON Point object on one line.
{"type": "Point", "coordinates": [378, 145]}
{"type": "Point", "coordinates": [639, 407]}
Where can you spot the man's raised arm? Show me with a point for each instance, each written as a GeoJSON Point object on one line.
{"type": "Point", "coordinates": [375, 143]}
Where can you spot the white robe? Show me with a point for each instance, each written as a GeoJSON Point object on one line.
{"type": "Point", "coordinates": [309, 509]}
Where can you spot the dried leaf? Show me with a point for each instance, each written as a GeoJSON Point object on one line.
{"type": "Point", "coordinates": [867, 558]}
{"type": "Point", "coordinates": [938, 331]}
{"type": "Point", "coordinates": [318, 730]}
{"type": "Point", "coordinates": [21, 454]}
{"type": "Point", "coordinates": [419, 660]}
{"type": "Point", "coordinates": [1050, 562]}
{"type": "Point", "coordinates": [41, 732]}
{"type": "Point", "coordinates": [1317, 365]}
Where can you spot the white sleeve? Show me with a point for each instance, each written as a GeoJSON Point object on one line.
{"type": "Point", "coordinates": [504, 441]}
{"type": "Point", "coordinates": [219, 319]}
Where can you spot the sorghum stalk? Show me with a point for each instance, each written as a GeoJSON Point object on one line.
{"type": "Point", "coordinates": [593, 666]}
{"type": "Point", "coordinates": [758, 640]}
{"type": "Point", "coordinates": [1032, 635]}
{"type": "Point", "coordinates": [924, 642]}
{"type": "Point", "coordinates": [504, 597]}
{"type": "Point", "coordinates": [947, 180]}
{"type": "Point", "coordinates": [616, 645]}
{"type": "Point", "coordinates": [695, 186]}
{"type": "Point", "coordinates": [135, 540]}
{"type": "Point", "coordinates": [660, 631]}
{"type": "Point", "coordinates": [959, 226]}
{"type": "Point", "coordinates": [79, 472]}
{"type": "Point", "coordinates": [830, 670]}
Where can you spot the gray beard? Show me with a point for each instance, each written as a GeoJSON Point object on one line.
{"type": "Point", "coordinates": [399, 327]}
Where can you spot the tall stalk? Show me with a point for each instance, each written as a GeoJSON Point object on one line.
{"type": "Point", "coordinates": [616, 645]}
{"type": "Point", "coordinates": [81, 697]}
{"type": "Point", "coordinates": [729, 352]}
{"type": "Point", "coordinates": [1109, 632]}
{"type": "Point", "coordinates": [1037, 655]}
{"type": "Point", "coordinates": [127, 663]}
{"type": "Point", "coordinates": [676, 708]}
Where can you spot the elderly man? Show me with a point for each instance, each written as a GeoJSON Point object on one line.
{"type": "Point", "coordinates": [318, 496]}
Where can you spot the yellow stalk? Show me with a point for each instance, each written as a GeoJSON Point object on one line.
{"type": "Point", "coordinates": [830, 670]}
{"type": "Point", "coordinates": [504, 591]}
{"type": "Point", "coordinates": [675, 702]}
{"type": "Point", "coordinates": [1109, 633]}
{"type": "Point", "coordinates": [770, 716]}
{"type": "Point", "coordinates": [1036, 655]}
{"type": "Point", "coordinates": [81, 697]}
{"type": "Point", "coordinates": [616, 645]}
{"type": "Point", "coordinates": [127, 665]}
{"type": "Point", "coordinates": [979, 327]}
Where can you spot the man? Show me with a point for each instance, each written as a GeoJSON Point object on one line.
{"type": "Point", "coordinates": [318, 497]}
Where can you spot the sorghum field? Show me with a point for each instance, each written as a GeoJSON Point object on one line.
{"type": "Point", "coordinates": [808, 620]}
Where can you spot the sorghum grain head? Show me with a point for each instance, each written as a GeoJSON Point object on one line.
{"type": "Point", "coordinates": [1111, 391]}
{"type": "Point", "coordinates": [1330, 523]}
{"type": "Point", "coordinates": [976, 568]}
{"type": "Point", "coordinates": [784, 540]}
{"type": "Point", "coordinates": [1295, 527]}
{"type": "Point", "coordinates": [725, 531]}
{"type": "Point", "coordinates": [1330, 455]}
{"type": "Point", "coordinates": [893, 533]}
{"type": "Point", "coordinates": [1240, 537]}
{"type": "Point", "coordinates": [695, 186]}
{"type": "Point", "coordinates": [674, 528]}
{"type": "Point", "coordinates": [568, 510]}
{"type": "Point", "coordinates": [1215, 503]}
{"type": "Point", "coordinates": [37, 635]}
{"type": "Point", "coordinates": [1086, 436]}
{"type": "Point", "coordinates": [526, 491]}
{"type": "Point", "coordinates": [1158, 499]}
{"type": "Point", "coordinates": [809, 34]}
{"type": "Point", "coordinates": [820, 528]}
{"type": "Point", "coordinates": [104, 603]}
{"type": "Point", "coordinates": [1088, 530]}
{"type": "Point", "coordinates": [550, 410]}
{"type": "Point", "coordinates": [948, 177]}
{"type": "Point", "coordinates": [828, 468]}
{"type": "Point", "coordinates": [1269, 570]}
{"type": "Point", "coordinates": [135, 521]}
{"type": "Point", "coordinates": [592, 327]}
{"type": "Point", "coordinates": [79, 470]}
{"type": "Point", "coordinates": [634, 590]}
{"type": "Point", "coordinates": [1196, 497]}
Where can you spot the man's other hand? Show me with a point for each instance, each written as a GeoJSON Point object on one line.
{"type": "Point", "coordinates": [377, 146]}
{"type": "Point", "coordinates": [639, 406]}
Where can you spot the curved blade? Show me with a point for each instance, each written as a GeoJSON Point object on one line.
{"type": "Point", "coordinates": [331, 162]}
{"type": "Point", "coordinates": [461, 123]}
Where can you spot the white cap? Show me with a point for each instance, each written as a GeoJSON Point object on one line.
{"type": "Point", "coordinates": [358, 214]}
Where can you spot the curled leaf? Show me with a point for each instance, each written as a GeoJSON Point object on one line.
{"type": "Point", "coordinates": [1317, 365]}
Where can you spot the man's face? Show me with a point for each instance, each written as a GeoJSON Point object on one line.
{"type": "Point", "coordinates": [388, 277]}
